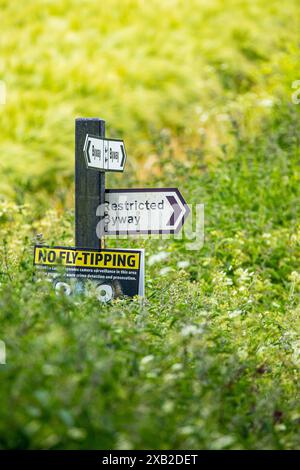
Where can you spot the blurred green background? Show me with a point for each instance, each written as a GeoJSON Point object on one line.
{"type": "Point", "coordinates": [201, 92]}
{"type": "Point", "coordinates": [179, 69]}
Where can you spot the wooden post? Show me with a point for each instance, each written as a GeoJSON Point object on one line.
{"type": "Point", "coordinates": [89, 187]}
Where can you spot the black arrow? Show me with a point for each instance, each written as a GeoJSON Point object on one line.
{"type": "Point", "coordinates": [123, 156]}
{"type": "Point", "coordinates": [88, 151]}
{"type": "Point", "coordinates": [177, 211]}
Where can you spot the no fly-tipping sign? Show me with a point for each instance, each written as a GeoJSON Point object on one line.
{"type": "Point", "coordinates": [144, 211]}
{"type": "Point", "coordinates": [104, 154]}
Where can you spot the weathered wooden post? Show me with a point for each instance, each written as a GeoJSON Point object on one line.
{"type": "Point", "coordinates": [89, 186]}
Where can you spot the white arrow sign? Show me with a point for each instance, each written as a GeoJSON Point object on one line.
{"type": "Point", "coordinates": [104, 154]}
{"type": "Point", "coordinates": [144, 211]}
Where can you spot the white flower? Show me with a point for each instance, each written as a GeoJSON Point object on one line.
{"type": "Point", "coordinates": [146, 359]}
{"type": "Point", "coordinates": [177, 366]}
{"type": "Point", "coordinates": [296, 352]}
{"type": "Point", "coordinates": [266, 102]}
{"type": "Point", "coordinates": [162, 255]}
{"type": "Point", "coordinates": [165, 271]}
{"type": "Point", "coordinates": [191, 330]}
{"type": "Point", "coordinates": [295, 277]}
{"type": "Point", "coordinates": [183, 264]}
{"type": "Point", "coordinates": [222, 442]}
{"type": "Point", "coordinates": [235, 313]}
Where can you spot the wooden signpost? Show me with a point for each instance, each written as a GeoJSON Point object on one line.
{"type": "Point", "coordinates": [99, 212]}
{"type": "Point", "coordinates": [89, 187]}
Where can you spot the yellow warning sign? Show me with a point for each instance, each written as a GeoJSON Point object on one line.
{"type": "Point", "coordinates": [121, 259]}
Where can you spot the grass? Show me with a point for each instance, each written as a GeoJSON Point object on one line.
{"type": "Point", "coordinates": [201, 93]}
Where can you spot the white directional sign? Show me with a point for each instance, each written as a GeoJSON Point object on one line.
{"type": "Point", "coordinates": [144, 211]}
{"type": "Point", "coordinates": [104, 154]}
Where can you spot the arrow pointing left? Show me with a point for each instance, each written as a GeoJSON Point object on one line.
{"type": "Point", "coordinates": [104, 154]}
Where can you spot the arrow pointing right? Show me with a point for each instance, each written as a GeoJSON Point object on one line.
{"type": "Point", "coordinates": [144, 211]}
{"type": "Point", "coordinates": [177, 211]}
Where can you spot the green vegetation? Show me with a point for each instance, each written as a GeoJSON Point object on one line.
{"type": "Point", "coordinates": [201, 92]}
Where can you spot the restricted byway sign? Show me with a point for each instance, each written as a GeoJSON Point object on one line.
{"type": "Point", "coordinates": [144, 211]}
{"type": "Point", "coordinates": [104, 154]}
